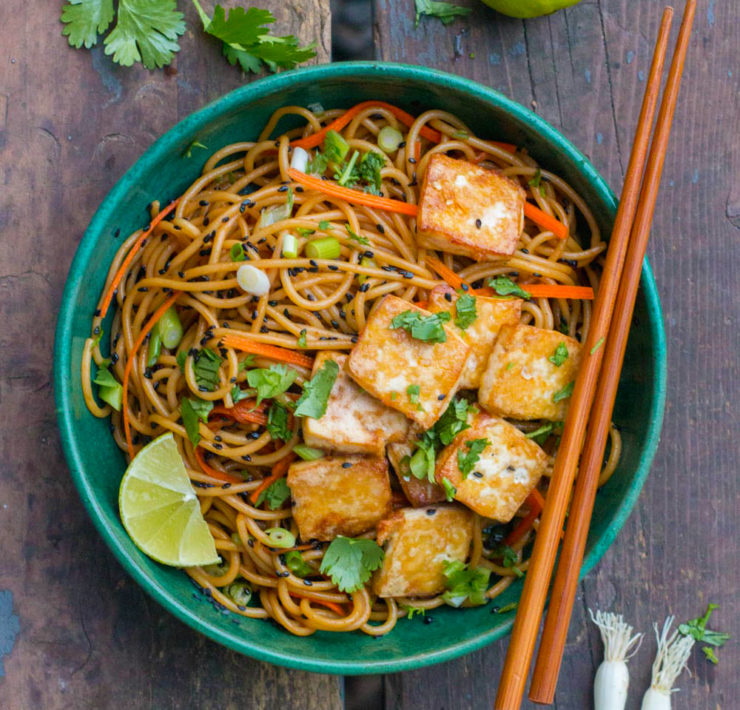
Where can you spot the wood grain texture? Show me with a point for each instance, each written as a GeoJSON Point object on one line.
{"type": "Point", "coordinates": [71, 122]}
{"type": "Point", "coordinates": [583, 70]}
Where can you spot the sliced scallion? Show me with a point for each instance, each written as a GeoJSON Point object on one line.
{"type": "Point", "coordinates": [368, 264]}
{"type": "Point", "coordinates": [389, 139]}
{"type": "Point", "coordinates": [155, 347]}
{"type": "Point", "coordinates": [290, 246]}
{"type": "Point", "coordinates": [169, 328]}
{"type": "Point", "coordinates": [280, 537]}
{"type": "Point", "coordinates": [308, 453]}
{"type": "Point", "coordinates": [253, 280]}
{"type": "Point", "coordinates": [324, 248]}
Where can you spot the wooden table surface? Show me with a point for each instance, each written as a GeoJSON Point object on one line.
{"type": "Point", "coordinates": [76, 632]}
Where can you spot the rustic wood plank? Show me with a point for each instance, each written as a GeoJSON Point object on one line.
{"type": "Point", "coordinates": [70, 123]}
{"type": "Point", "coordinates": [584, 69]}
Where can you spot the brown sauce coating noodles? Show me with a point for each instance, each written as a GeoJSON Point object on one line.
{"type": "Point", "coordinates": [190, 252]}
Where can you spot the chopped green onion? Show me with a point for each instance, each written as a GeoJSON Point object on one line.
{"type": "Point", "coordinates": [324, 248]}
{"type": "Point", "coordinates": [252, 280]}
{"type": "Point", "coordinates": [389, 139]}
{"type": "Point", "coordinates": [237, 252]}
{"type": "Point", "coordinates": [239, 592]}
{"type": "Point", "coordinates": [112, 395]}
{"type": "Point", "coordinates": [169, 328]}
{"type": "Point", "coordinates": [280, 537]}
{"type": "Point", "coordinates": [347, 172]}
{"type": "Point", "coordinates": [273, 214]}
{"type": "Point", "coordinates": [155, 347]}
{"type": "Point", "coordinates": [599, 343]}
{"type": "Point", "coordinates": [335, 147]}
{"type": "Point", "coordinates": [307, 453]}
{"type": "Point", "coordinates": [368, 264]}
{"type": "Point", "coordinates": [299, 159]}
{"type": "Point", "coordinates": [290, 246]}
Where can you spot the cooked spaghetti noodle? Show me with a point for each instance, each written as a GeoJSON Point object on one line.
{"type": "Point", "coordinates": [189, 257]}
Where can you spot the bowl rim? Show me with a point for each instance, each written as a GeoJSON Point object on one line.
{"type": "Point", "coordinates": [163, 146]}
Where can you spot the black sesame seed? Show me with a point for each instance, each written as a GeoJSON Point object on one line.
{"type": "Point", "coordinates": [225, 219]}
{"type": "Point", "coordinates": [364, 288]}
{"type": "Point", "coordinates": [298, 188]}
{"type": "Point", "coordinates": [117, 233]}
{"type": "Point", "coordinates": [525, 251]}
{"type": "Point", "coordinates": [247, 458]}
{"type": "Point", "coordinates": [206, 221]}
{"type": "Point", "coordinates": [308, 582]}
{"type": "Point", "coordinates": [114, 358]}
{"type": "Point", "coordinates": [283, 188]}
{"type": "Point", "coordinates": [440, 397]}
{"type": "Point", "coordinates": [97, 312]}
{"type": "Point", "coordinates": [431, 511]}
{"type": "Point", "coordinates": [225, 486]}
{"type": "Point", "coordinates": [313, 262]}
{"type": "Point", "coordinates": [465, 287]}
{"type": "Point", "coordinates": [346, 464]}
{"type": "Point", "coordinates": [380, 228]}
{"type": "Point", "coordinates": [478, 223]}
{"type": "Point", "coordinates": [412, 161]}
{"type": "Point", "coordinates": [354, 338]}
{"type": "Point", "coordinates": [477, 474]}
{"type": "Point", "coordinates": [402, 144]}
{"type": "Point", "coordinates": [333, 267]}
{"type": "Point", "coordinates": [448, 297]}
{"type": "Point", "coordinates": [428, 619]}
{"type": "Point", "coordinates": [368, 254]}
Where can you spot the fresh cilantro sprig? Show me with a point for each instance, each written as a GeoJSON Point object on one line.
{"type": "Point", "coordinates": [504, 286]}
{"type": "Point", "coordinates": [564, 393]}
{"type": "Point", "coordinates": [560, 355]}
{"type": "Point", "coordinates": [465, 584]}
{"type": "Point", "coordinates": [697, 629]}
{"type": "Point", "coordinates": [206, 364]}
{"type": "Point", "coordinates": [277, 422]}
{"type": "Point", "coordinates": [446, 12]}
{"type": "Point", "coordinates": [272, 381]}
{"type": "Point", "coordinates": [429, 329]}
{"type": "Point", "coordinates": [247, 42]}
{"type": "Point", "coordinates": [275, 494]}
{"type": "Point", "coordinates": [316, 391]}
{"type": "Point", "coordinates": [350, 561]}
{"type": "Point", "coordinates": [192, 411]}
{"type": "Point", "coordinates": [466, 461]}
{"type": "Point", "coordinates": [466, 311]}
{"type": "Point", "coordinates": [147, 31]}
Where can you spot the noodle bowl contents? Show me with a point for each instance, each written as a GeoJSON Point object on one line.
{"type": "Point", "coordinates": [361, 337]}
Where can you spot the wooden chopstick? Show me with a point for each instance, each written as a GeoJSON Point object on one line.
{"type": "Point", "coordinates": [552, 644]}
{"type": "Point", "coordinates": [536, 583]}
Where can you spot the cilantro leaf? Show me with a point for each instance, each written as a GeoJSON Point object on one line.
{"type": "Point", "coordinates": [85, 19]}
{"type": "Point", "coordinates": [205, 367]}
{"type": "Point", "coordinates": [465, 584]}
{"type": "Point", "coordinates": [560, 355]}
{"type": "Point", "coordinates": [504, 286]}
{"type": "Point", "coordinates": [450, 490]}
{"type": "Point", "coordinates": [453, 421]}
{"type": "Point", "coordinates": [146, 31]}
{"type": "Point", "coordinates": [466, 461]}
{"type": "Point", "coordinates": [446, 12]}
{"type": "Point", "coordinates": [301, 343]}
{"type": "Point", "coordinates": [540, 435]}
{"type": "Point", "coordinates": [246, 362]}
{"type": "Point", "coordinates": [429, 328]}
{"type": "Point", "coordinates": [318, 164]}
{"type": "Point", "coordinates": [411, 611]}
{"type": "Point", "coordinates": [536, 182]}
{"type": "Point", "coordinates": [370, 166]}
{"type": "Point", "coordinates": [697, 629]}
{"type": "Point", "coordinates": [192, 410]}
{"type": "Point", "coordinates": [238, 394]}
{"type": "Point", "coordinates": [564, 393]}
{"type": "Point", "coordinates": [195, 144]}
{"type": "Point", "coordinates": [508, 557]}
{"type": "Point", "coordinates": [272, 381]}
{"type": "Point", "coordinates": [296, 564]}
{"type": "Point", "coordinates": [180, 358]}
{"type": "Point", "coordinates": [324, 224]}
{"type": "Point", "coordinates": [247, 42]}
{"type": "Point", "coordinates": [466, 311]}
{"type": "Point", "coordinates": [412, 391]}
{"type": "Point", "coordinates": [350, 561]}
{"type": "Point", "coordinates": [356, 237]}
{"type": "Point", "coordinates": [275, 494]}
{"type": "Point", "coordinates": [277, 422]}
{"type": "Point", "coordinates": [316, 391]}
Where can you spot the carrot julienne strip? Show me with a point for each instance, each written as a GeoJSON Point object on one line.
{"type": "Point", "coordinates": [583, 293]}
{"type": "Point", "coordinates": [273, 352]}
{"type": "Point", "coordinates": [546, 221]}
{"type": "Point", "coordinates": [118, 277]}
{"type": "Point", "coordinates": [329, 605]}
{"type": "Point", "coordinates": [213, 472]}
{"type": "Point", "coordinates": [244, 411]}
{"type": "Point", "coordinates": [536, 503]}
{"type": "Point", "coordinates": [130, 362]}
{"type": "Point", "coordinates": [278, 471]}
{"type": "Point", "coordinates": [339, 123]}
{"type": "Point", "coordinates": [353, 196]}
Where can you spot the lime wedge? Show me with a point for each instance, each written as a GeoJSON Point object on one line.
{"type": "Point", "coordinates": [160, 510]}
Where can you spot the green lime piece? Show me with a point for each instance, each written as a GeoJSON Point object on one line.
{"type": "Point", "coordinates": [160, 510]}
{"type": "Point", "coordinates": [528, 8]}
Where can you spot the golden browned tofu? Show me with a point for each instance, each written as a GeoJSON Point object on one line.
{"type": "Point", "coordinates": [419, 542]}
{"type": "Point", "coordinates": [521, 381]}
{"type": "Point", "coordinates": [415, 377]}
{"type": "Point", "coordinates": [339, 496]}
{"type": "Point", "coordinates": [481, 334]}
{"type": "Point", "coordinates": [507, 470]}
{"type": "Point", "coordinates": [470, 210]}
{"type": "Point", "coordinates": [419, 493]}
{"type": "Point", "coordinates": [354, 422]}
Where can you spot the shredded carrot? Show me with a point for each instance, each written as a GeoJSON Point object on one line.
{"type": "Point", "coordinates": [339, 123]}
{"type": "Point", "coordinates": [130, 362]}
{"type": "Point", "coordinates": [584, 293]}
{"type": "Point", "coordinates": [417, 151]}
{"type": "Point", "coordinates": [353, 196]}
{"type": "Point", "coordinates": [243, 411]}
{"type": "Point", "coordinates": [278, 471]}
{"type": "Point", "coordinates": [108, 296]}
{"type": "Point", "coordinates": [536, 503]}
{"type": "Point", "coordinates": [421, 304]}
{"type": "Point", "coordinates": [336, 608]}
{"type": "Point", "coordinates": [214, 472]}
{"type": "Point", "coordinates": [273, 352]}
{"type": "Point", "coordinates": [544, 220]}
{"type": "Point", "coordinates": [447, 275]}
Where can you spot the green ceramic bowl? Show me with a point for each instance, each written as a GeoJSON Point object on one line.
{"type": "Point", "coordinates": [162, 172]}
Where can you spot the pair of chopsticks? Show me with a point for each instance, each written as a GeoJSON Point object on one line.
{"type": "Point", "coordinates": [616, 297]}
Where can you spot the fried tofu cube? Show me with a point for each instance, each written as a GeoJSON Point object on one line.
{"type": "Point", "coordinates": [481, 334]}
{"type": "Point", "coordinates": [354, 422]}
{"type": "Point", "coordinates": [419, 493]}
{"type": "Point", "coordinates": [415, 377]}
{"type": "Point", "coordinates": [508, 469]}
{"type": "Point", "coordinates": [469, 210]}
{"type": "Point", "coordinates": [522, 382]}
{"type": "Point", "coordinates": [339, 496]}
{"type": "Point", "coordinates": [419, 542]}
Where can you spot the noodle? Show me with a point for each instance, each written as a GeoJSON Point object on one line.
{"type": "Point", "coordinates": [312, 304]}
